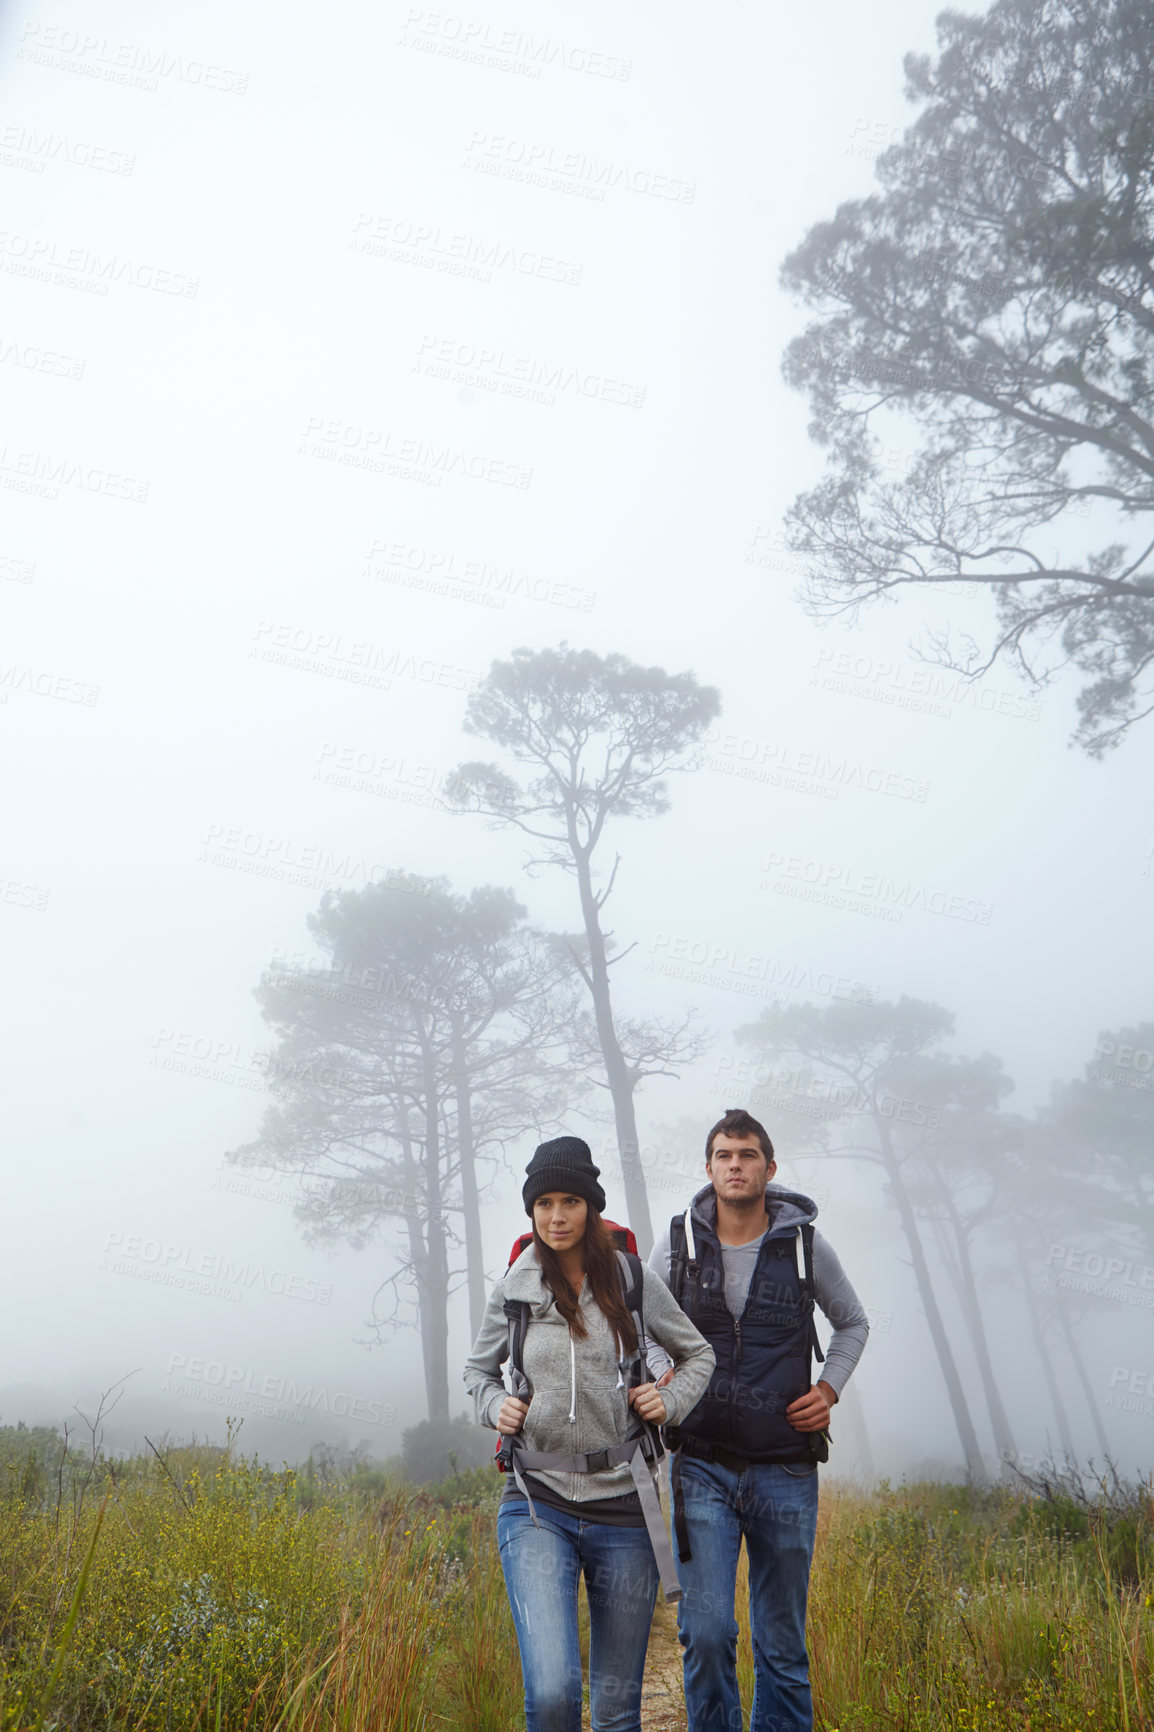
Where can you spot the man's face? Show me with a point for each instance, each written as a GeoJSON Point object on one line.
{"type": "Point", "coordinates": [739, 1169]}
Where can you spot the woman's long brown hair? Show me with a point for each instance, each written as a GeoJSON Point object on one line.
{"type": "Point", "coordinates": [604, 1283]}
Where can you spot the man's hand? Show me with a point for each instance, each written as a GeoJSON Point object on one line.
{"type": "Point", "coordinates": [511, 1416]}
{"type": "Point", "coordinates": [811, 1412]}
{"type": "Point", "coordinates": [666, 1377]}
{"type": "Point", "coordinates": [646, 1401]}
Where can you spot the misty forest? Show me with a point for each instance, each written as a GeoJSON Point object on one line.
{"type": "Point", "coordinates": [843, 820]}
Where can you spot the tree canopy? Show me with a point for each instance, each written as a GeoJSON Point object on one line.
{"type": "Point", "coordinates": [436, 1034]}
{"type": "Point", "coordinates": [595, 738]}
{"type": "Point", "coordinates": [999, 292]}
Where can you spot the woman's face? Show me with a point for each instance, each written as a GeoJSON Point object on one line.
{"type": "Point", "coordinates": [560, 1219]}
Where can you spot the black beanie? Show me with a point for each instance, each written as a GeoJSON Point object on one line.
{"type": "Point", "coordinates": [566, 1164]}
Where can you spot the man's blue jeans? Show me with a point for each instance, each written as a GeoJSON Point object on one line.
{"type": "Point", "coordinates": [542, 1565]}
{"type": "Point", "coordinates": [775, 1509]}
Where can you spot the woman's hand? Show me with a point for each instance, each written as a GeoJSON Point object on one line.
{"type": "Point", "coordinates": [511, 1416]}
{"type": "Point", "coordinates": [646, 1401]}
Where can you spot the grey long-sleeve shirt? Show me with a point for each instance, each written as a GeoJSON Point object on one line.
{"type": "Point", "coordinates": [835, 1296]}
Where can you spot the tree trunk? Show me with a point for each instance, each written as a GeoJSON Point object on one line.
{"type": "Point", "coordinates": [418, 1244]}
{"type": "Point", "coordinates": [975, 1466]}
{"type": "Point", "coordinates": [470, 1202]}
{"type": "Point", "coordinates": [848, 1429]}
{"type": "Point", "coordinates": [963, 1272]}
{"type": "Point", "coordinates": [1075, 1353]}
{"type": "Point", "coordinates": [1046, 1361]}
{"type": "Point", "coordinates": [434, 1298]}
{"type": "Point", "coordinates": [616, 1071]}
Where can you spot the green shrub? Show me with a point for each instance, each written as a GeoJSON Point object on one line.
{"type": "Point", "coordinates": [436, 1448]}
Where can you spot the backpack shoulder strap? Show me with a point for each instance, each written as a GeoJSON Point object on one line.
{"type": "Point", "coordinates": [517, 1316]}
{"type": "Point", "coordinates": [632, 1279]}
{"type": "Point", "coordinates": [803, 1253]}
{"type": "Point", "coordinates": [682, 1253]}
{"type": "Point", "coordinates": [632, 1274]}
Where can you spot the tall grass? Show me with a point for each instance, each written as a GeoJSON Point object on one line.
{"type": "Point", "coordinates": [943, 1609]}
{"type": "Point", "coordinates": [208, 1593]}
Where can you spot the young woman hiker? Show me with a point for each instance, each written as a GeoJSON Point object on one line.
{"type": "Point", "coordinates": [581, 1487]}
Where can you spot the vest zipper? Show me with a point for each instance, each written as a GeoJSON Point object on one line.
{"type": "Point", "coordinates": [734, 1416]}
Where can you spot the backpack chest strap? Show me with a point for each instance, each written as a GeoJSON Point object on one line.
{"type": "Point", "coordinates": [560, 1461]}
{"type": "Point", "coordinates": [635, 1453]}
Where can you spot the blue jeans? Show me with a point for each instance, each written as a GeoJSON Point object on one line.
{"type": "Point", "coordinates": [775, 1509]}
{"type": "Point", "coordinates": [542, 1565]}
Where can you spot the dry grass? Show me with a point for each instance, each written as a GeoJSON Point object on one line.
{"type": "Point", "coordinates": [219, 1597]}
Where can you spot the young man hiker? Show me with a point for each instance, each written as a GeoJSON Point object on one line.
{"type": "Point", "coordinates": [747, 1266]}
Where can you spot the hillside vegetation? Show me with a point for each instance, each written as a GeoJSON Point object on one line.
{"type": "Point", "coordinates": [193, 1587]}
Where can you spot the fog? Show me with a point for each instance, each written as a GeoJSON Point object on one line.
{"type": "Point", "coordinates": [239, 649]}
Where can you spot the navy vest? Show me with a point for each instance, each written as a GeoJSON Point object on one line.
{"type": "Point", "coordinates": [763, 1357]}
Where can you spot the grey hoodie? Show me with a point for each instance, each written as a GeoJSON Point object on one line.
{"type": "Point", "coordinates": [579, 1402]}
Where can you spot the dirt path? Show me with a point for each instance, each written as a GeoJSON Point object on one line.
{"type": "Point", "coordinates": [662, 1698]}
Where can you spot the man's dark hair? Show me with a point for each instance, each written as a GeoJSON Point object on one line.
{"type": "Point", "coordinates": [736, 1122]}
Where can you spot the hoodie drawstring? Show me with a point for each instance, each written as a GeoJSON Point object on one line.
{"type": "Point", "coordinates": [572, 1383]}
